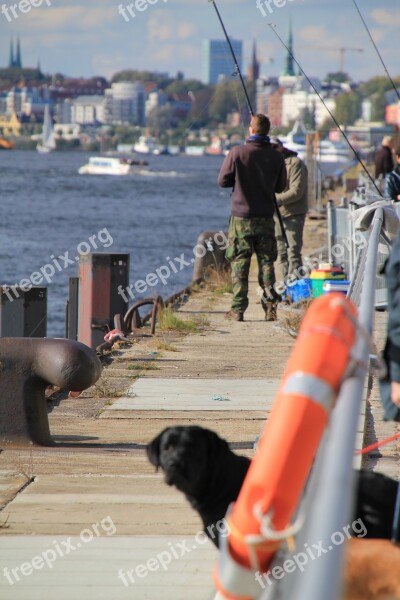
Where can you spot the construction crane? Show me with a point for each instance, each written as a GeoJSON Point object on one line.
{"type": "Point", "coordinates": [342, 50]}
{"type": "Point", "coordinates": [341, 55]}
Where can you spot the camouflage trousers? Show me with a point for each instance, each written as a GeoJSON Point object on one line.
{"type": "Point", "coordinates": [247, 236]}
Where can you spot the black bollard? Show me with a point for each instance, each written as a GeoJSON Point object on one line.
{"type": "Point", "coordinates": [27, 367]}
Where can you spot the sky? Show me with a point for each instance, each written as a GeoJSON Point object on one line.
{"type": "Point", "coordinates": [93, 37]}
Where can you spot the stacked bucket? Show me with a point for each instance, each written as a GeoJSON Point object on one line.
{"type": "Point", "coordinates": [326, 278]}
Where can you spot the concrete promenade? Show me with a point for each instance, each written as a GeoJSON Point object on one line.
{"type": "Point", "coordinates": [90, 519]}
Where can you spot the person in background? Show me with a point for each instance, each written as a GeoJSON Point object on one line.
{"type": "Point", "coordinates": [256, 172]}
{"type": "Point", "coordinates": [384, 159]}
{"type": "Point", "coordinates": [293, 205]}
{"type": "Point", "coordinates": [390, 384]}
{"type": "Point", "coordinates": [392, 181]}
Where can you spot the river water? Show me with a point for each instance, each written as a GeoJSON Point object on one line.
{"type": "Point", "coordinates": [48, 211]}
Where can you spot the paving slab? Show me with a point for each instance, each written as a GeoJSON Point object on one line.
{"type": "Point", "coordinates": [198, 394]}
{"type": "Point", "coordinates": [108, 567]}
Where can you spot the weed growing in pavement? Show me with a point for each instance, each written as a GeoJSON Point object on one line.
{"type": "Point", "coordinates": [168, 320]}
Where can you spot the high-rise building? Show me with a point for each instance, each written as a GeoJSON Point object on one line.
{"type": "Point", "coordinates": [217, 59]}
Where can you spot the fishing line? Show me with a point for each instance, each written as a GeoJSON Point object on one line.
{"type": "Point", "coordinates": [376, 49]}
{"type": "Point", "coordinates": [237, 70]}
{"type": "Point", "coordinates": [272, 27]}
{"type": "Point", "coordinates": [236, 65]}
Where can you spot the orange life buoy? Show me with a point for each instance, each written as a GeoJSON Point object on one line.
{"type": "Point", "coordinates": [281, 465]}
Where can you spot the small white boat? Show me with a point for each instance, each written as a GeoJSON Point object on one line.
{"type": "Point", "coordinates": [326, 152]}
{"type": "Point", "coordinates": [100, 165]}
{"type": "Point", "coordinates": [48, 140]}
{"type": "Point", "coordinates": [195, 150]}
{"type": "Point", "coordinates": [145, 145]}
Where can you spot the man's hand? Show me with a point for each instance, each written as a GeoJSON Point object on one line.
{"type": "Point", "coordinates": [395, 393]}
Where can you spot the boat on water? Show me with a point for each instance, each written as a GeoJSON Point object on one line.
{"type": "Point", "coordinates": [108, 165]}
{"type": "Point", "coordinates": [48, 140]}
{"type": "Point", "coordinates": [6, 144]}
{"type": "Point", "coordinates": [325, 152]}
{"type": "Point", "coordinates": [195, 150]}
{"type": "Point", "coordinates": [145, 145]}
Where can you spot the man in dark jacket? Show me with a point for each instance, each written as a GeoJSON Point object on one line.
{"type": "Point", "coordinates": [392, 181]}
{"type": "Point", "coordinates": [383, 158]}
{"type": "Point", "coordinates": [256, 172]}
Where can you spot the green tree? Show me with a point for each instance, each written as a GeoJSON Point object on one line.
{"type": "Point", "coordinates": [348, 108]}
{"type": "Point", "coordinates": [379, 103]}
{"type": "Point", "coordinates": [135, 75]}
{"type": "Point", "coordinates": [184, 86]}
{"type": "Point", "coordinates": [338, 76]}
{"type": "Point", "coordinates": [199, 113]}
{"type": "Point", "coordinates": [227, 98]}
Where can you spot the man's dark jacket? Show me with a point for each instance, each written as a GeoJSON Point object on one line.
{"type": "Point", "coordinates": [383, 161]}
{"type": "Point", "coordinates": [392, 184]}
{"type": "Point", "coordinates": [255, 171]}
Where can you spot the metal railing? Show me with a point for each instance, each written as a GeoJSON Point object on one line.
{"type": "Point", "coordinates": [345, 243]}
{"type": "Point", "coordinates": [328, 501]}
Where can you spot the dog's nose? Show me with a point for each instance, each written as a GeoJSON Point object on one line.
{"type": "Point", "coordinates": [172, 462]}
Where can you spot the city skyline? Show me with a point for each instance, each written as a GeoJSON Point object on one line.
{"type": "Point", "coordinates": [167, 35]}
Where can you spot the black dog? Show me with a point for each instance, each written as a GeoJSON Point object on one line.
{"type": "Point", "coordinates": [201, 465]}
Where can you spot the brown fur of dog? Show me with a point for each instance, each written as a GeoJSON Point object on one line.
{"type": "Point", "coordinates": [372, 570]}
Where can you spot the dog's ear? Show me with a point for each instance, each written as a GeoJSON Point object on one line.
{"type": "Point", "coordinates": [153, 450]}
{"type": "Point", "coordinates": [215, 444]}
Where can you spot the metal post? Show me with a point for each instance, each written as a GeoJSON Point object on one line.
{"type": "Point", "coordinates": [101, 278]}
{"type": "Point", "coordinates": [23, 313]}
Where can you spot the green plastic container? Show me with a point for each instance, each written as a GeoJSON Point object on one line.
{"type": "Point", "coordinates": [319, 276]}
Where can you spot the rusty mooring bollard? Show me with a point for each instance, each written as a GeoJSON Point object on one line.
{"type": "Point", "coordinates": [27, 367]}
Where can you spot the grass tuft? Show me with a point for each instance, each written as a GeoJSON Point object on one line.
{"type": "Point", "coordinates": [143, 366]}
{"type": "Point", "coordinates": [292, 318]}
{"type": "Point", "coordinates": [168, 320]}
{"type": "Point", "coordinates": [219, 281]}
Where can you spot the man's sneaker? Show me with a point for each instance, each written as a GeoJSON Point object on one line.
{"type": "Point", "coordinates": [234, 315]}
{"type": "Point", "coordinates": [270, 311]}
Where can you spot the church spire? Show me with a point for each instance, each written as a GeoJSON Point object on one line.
{"type": "Point", "coordinates": [11, 60]}
{"type": "Point", "coordinates": [289, 62]}
{"type": "Point", "coordinates": [254, 69]}
{"type": "Point", "coordinates": [18, 61]}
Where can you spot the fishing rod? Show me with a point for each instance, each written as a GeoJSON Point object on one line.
{"type": "Point", "coordinates": [238, 72]}
{"type": "Point", "coordinates": [376, 49]}
{"type": "Point", "coordinates": [272, 26]}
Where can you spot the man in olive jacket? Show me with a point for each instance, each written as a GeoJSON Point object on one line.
{"type": "Point", "coordinates": [293, 206]}
{"type": "Point", "coordinates": [256, 172]}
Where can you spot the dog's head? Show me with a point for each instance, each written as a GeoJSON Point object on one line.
{"type": "Point", "coordinates": [187, 455]}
